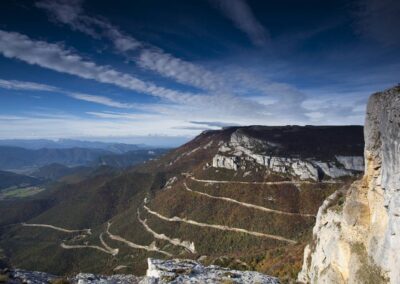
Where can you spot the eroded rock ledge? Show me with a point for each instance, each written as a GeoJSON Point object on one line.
{"type": "Point", "coordinates": [356, 238]}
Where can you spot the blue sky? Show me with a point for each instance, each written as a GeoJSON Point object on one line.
{"type": "Point", "coordinates": [154, 70]}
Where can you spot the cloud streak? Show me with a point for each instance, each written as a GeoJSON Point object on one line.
{"type": "Point", "coordinates": [57, 58]}
{"type": "Point", "coordinates": [152, 58]}
{"type": "Point", "coordinates": [100, 100]}
{"type": "Point", "coordinates": [239, 12]}
{"type": "Point", "coordinates": [70, 12]}
{"type": "Point", "coordinates": [20, 85]}
{"type": "Point", "coordinates": [214, 123]}
{"type": "Point", "coordinates": [31, 86]}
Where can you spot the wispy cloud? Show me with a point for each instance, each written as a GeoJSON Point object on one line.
{"type": "Point", "coordinates": [20, 85]}
{"type": "Point", "coordinates": [31, 86]}
{"type": "Point", "coordinates": [149, 57]}
{"type": "Point", "coordinates": [242, 16]}
{"type": "Point", "coordinates": [38, 126]}
{"type": "Point", "coordinates": [155, 59]}
{"type": "Point", "coordinates": [70, 12]}
{"type": "Point", "coordinates": [56, 57]}
{"type": "Point", "coordinates": [214, 123]}
{"type": "Point", "coordinates": [181, 71]}
{"type": "Point", "coordinates": [129, 116]}
{"type": "Point", "coordinates": [100, 100]}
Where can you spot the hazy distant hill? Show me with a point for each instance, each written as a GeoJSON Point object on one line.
{"type": "Point", "coordinates": [8, 179]}
{"type": "Point", "coordinates": [36, 144]}
{"type": "Point", "coordinates": [17, 158]}
{"type": "Point", "coordinates": [129, 158]}
{"type": "Point", "coordinates": [55, 171]}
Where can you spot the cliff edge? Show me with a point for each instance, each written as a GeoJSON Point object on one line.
{"type": "Point", "coordinates": [356, 238]}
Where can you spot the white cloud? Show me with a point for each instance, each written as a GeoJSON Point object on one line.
{"type": "Point", "coordinates": [242, 16]}
{"type": "Point", "coordinates": [182, 71]}
{"type": "Point", "coordinates": [31, 86]}
{"type": "Point", "coordinates": [35, 126]}
{"type": "Point", "coordinates": [132, 116]}
{"type": "Point", "coordinates": [336, 108]}
{"type": "Point", "coordinates": [70, 12]}
{"type": "Point", "coordinates": [57, 58]}
{"type": "Point", "coordinates": [20, 85]}
{"type": "Point", "coordinates": [100, 100]}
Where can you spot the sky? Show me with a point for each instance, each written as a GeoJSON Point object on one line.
{"type": "Point", "coordinates": [157, 70]}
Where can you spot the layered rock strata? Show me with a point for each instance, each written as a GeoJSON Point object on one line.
{"type": "Point", "coordinates": [241, 148]}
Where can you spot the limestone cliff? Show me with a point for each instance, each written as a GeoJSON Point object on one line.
{"type": "Point", "coordinates": [356, 238]}
{"type": "Point", "coordinates": [243, 152]}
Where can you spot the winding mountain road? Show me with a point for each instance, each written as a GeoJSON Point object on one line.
{"type": "Point", "coordinates": [175, 241]}
{"type": "Point", "coordinates": [262, 182]}
{"type": "Point", "coordinates": [86, 231]}
{"type": "Point", "coordinates": [106, 248]}
{"type": "Point", "coordinates": [152, 247]}
{"type": "Point", "coordinates": [219, 227]}
{"type": "Point", "coordinates": [65, 246]}
{"type": "Point", "coordinates": [265, 209]}
{"type": "Point", "coordinates": [114, 251]}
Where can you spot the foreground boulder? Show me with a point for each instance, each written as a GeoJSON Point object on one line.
{"type": "Point", "coordinates": [356, 238]}
{"type": "Point", "coordinates": [189, 271]}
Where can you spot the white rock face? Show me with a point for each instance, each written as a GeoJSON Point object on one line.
{"type": "Point", "coordinates": [189, 271]}
{"type": "Point", "coordinates": [230, 163]}
{"type": "Point", "coordinates": [170, 182]}
{"type": "Point", "coordinates": [360, 242]}
{"type": "Point", "coordinates": [330, 169]}
{"type": "Point", "coordinates": [305, 170]}
{"type": "Point", "coordinates": [355, 163]}
{"type": "Point", "coordinates": [242, 148]}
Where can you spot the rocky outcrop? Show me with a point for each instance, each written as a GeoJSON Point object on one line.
{"type": "Point", "coordinates": [356, 238]}
{"type": "Point", "coordinates": [189, 271]}
{"type": "Point", "coordinates": [18, 276]}
{"type": "Point", "coordinates": [227, 162]}
{"type": "Point", "coordinates": [159, 272]}
{"type": "Point", "coordinates": [242, 149]}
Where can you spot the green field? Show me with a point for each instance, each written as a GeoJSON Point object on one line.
{"type": "Point", "coordinates": [12, 193]}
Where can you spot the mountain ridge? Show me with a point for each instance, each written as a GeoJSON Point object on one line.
{"type": "Point", "coordinates": [204, 215]}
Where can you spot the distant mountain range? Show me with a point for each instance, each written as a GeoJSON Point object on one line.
{"type": "Point", "coordinates": [20, 158]}
{"type": "Point", "coordinates": [26, 160]}
{"type": "Point", "coordinates": [36, 144]}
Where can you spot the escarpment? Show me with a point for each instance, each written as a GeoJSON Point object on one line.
{"type": "Point", "coordinates": [356, 238]}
